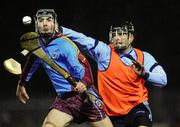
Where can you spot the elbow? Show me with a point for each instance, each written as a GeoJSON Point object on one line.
{"type": "Point", "coordinates": [164, 83]}
{"type": "Point", "coordinates": [80, 73]}
{"type": "Point", "coordinates": [77, 72]}
{"type": "Point", "coordinates": [163, 80]}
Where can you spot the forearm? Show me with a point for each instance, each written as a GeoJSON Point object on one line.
{"type": "Point", "coordinates": [27, 71]}
{"type": "Point", "coordinates": [157, 79]}
{"type": "Point", "coordinates": [97, 50]}
{"type": "Point", "coordinates": [157, 75]}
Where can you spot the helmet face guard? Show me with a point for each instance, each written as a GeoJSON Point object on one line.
{"type": "Point", "coordinates": [45, 13]}
{"type": "Point", "coordinates": [125, 28]}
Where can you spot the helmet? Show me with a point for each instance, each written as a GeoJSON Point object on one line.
{"type": "Point", "coordinates": [125, 28]}
{"type": "Point", "coordinates": [45, 12]}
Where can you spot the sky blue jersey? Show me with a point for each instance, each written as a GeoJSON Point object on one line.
{"type": "Point", "coordinates": [65, 56]}
{"type": "Point", "coordinates": [101, 52]}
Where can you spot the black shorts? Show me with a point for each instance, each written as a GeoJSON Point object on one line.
{"type": "Point", "coordinates": [74, 104]}
{"type": "Point", "coordinates": [139, 115]}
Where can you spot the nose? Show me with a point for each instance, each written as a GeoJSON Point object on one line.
{"type": "Point", "coordinates": [44, 23]}
{"type": "Point", "coordinates": [117, 37]}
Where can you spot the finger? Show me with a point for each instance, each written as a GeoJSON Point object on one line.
{"type": "Point", "coordinates": [137, 65]}
{"type": "Point", "coordinates": [24, 98]}
{"type": "Point", "coordinates": [82, 89]}
{"type": "Point", "coordinates": [75, 89]}
{"type": "Point", "coordinates": [26, 95]}
{"type": "Point", "coordinates": [132, 66]}
{"type": "Point", "coordinates": [78, 86]}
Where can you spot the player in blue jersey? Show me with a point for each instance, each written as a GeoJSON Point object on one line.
{"type": "Point", "coordinates": [70, 104]}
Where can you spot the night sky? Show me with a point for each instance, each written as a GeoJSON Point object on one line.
{"type": "Point", "coordinates": [157, 25]}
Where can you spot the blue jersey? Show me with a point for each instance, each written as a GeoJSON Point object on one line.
{"type": "Point", "coordinates": [101, 52]}
{"type": "Point", "coordinates": [64, 55]}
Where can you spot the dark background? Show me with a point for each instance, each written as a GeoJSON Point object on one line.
{"type": "Point", "coordinates": [157, 25]}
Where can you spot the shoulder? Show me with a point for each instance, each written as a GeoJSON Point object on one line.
{"type": "Point", "coordinates": [61, 43]}
{"type": "Point", "coordinates": [148, 56]}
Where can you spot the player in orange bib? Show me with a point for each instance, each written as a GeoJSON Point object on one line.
{"type": "Point", "coordinates": [122, 73]}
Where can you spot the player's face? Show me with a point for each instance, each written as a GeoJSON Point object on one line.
{"type": "Point", "coordinates": [46, 25]}
{"type": "Point", "coordinates": [122, 40]}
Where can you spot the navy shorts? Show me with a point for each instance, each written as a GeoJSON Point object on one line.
{"type": "Point", "coordinates": [75, 104]}
{"type": "Point", "coordinates": [139, 115]}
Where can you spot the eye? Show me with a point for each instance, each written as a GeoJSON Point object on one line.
{"type": "Point", "coordinates": [50, 19]}
{"type": "Point", "coordinates": [122, 34]}
{"type": "Point", "coordinates": [40, 20]}
{"type": "Point", "coordinates": [113, 34]}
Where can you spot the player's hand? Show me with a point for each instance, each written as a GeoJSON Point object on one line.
{"type": "Point", "coordinates": [138, 69]}
{"type": "Point", "coordinates": [22, 94]}
{"type": "Point", "coordinates": [80, 87]}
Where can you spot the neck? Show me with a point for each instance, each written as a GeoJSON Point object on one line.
{"type": "Point", "coordinates": [48, 38]}
{"type": "Point", "coordinates": [124, 51]}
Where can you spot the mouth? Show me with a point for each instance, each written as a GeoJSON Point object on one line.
{"type": "Point", "coordinates": [119, 43]}
{"type": "Point", "coordinates": [45, 30]}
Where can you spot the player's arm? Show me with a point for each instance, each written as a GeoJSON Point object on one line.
{"type": "Point", "coordinates": [156, 74]}
{"type": "Point", "coordinates": [28, 70]}
{"type": "Point", "coordinates": [98, 50]}
{"type": "Point", "coordinates": [21, 93]}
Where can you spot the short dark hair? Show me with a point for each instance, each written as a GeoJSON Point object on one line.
{"type": "Point", "coordinates": [128, 27]}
